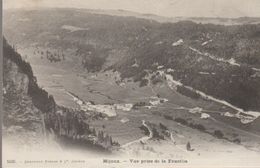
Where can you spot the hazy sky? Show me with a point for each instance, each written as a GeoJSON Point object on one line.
{"type": "Point", "coordinates": [170, 8]}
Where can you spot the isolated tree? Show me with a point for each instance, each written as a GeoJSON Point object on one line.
{"type": "Point", "coordinates": [188, 147]}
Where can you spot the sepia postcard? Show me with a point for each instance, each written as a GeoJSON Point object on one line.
{"type": "Point", "coordinates": [130, 84]}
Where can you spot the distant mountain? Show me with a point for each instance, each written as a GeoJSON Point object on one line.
{"type": "Point", "coordinates": [163, 19]}
{"type": "Point", "coordinates": [171, 8]}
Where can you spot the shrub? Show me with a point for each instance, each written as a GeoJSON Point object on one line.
{"type": "Point", "coordinates": [138, 104]}
{"type": "Point", "coordinates": [167, 117]}
{"type": "Point", "coordinates": [146, 131]}
{"type": "Point", "coordinates": [237, 140]}
{"type": "Point", "coordinates": [156, 81]}
{"type": "Point", "coordinates": [163, 127]}
{"type": "Point", "coordinates": [186, 92]}
{"type": "Point", "coordinates": [156, 134]}
{"type": "Point", "coordinates": [143, 82]}
{"type": "Point", "coordinates": [181, 121]}
{"type": "Point", "coordinates": [218, 134]}
{"type": "Point", "coordinates": [198, 127]}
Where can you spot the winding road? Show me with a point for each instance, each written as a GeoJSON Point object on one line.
{"type": "Point", "coordinates": [143, 139]}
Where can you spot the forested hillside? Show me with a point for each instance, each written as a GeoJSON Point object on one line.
{"type": "Point", "coordinates": [31, 114]}
{"type": "Point", "coordinates": [214, 59]}
{"type": "Point", "coordinates": [221, 61]}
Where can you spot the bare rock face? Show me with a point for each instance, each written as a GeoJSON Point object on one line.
{"type": "Point", "coordinates": [22, 121]}
{"type": "Point", "coordinates": [15, 79]}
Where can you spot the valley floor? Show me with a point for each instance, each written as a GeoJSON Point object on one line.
{"type": "Point", "coordinates": [106, 88]}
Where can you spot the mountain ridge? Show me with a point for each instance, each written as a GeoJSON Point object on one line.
{"type": "Point", "coordinates": [162, 19]}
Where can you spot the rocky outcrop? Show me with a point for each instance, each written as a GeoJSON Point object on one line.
{"type": "Point", "coordinates": [22, 121]}
{"type": "Point", "coordinates": [15, 79]}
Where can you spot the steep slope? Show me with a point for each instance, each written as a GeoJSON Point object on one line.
{"type": "Point", "coordinates": [22, 120]}
{"type": "Point", "coordinates": [31, 116]}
